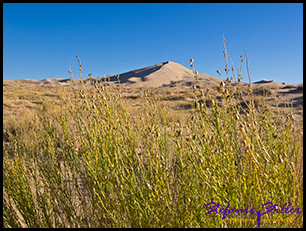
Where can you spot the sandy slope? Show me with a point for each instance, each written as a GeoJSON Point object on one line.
{"type": "Point", "coordinates": [156, 75]}
{"type": "Point", "coordinates": [169, 74]}
{"type": "Point", "coordinates": [161, 74]}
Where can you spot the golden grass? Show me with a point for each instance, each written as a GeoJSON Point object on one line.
{"type": "Point", "coordinates": [23, 100]}
{"type": "Point", "coordinates": [148, 134]}
{"type": "Point", "coordinates": [105, 156]}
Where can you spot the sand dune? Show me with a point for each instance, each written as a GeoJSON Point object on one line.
{"type": "Point", "coordinates": [20, 81]}
{"type": "Point", "coordinates": [169, 71]}
{"type": "Point", "coordinates": [162, 74]}
{"type": "Point", "coordinates": [49, 81]}
{"type": "Point", "coordinates": [167, 75]}
{"type": "Point", "coordinates": [157, 75]}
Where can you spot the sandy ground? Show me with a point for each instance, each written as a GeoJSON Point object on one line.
{"type": "Point", "coordinates": [151, 76]}
{"type": "Point", "coordinates": [167, 75]}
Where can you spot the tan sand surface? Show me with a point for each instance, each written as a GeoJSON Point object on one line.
{"type": "Point", "coordinates": [166, 75]}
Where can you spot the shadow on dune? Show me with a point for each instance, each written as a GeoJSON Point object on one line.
{"type": "Point", "coordinates": [139, 73]}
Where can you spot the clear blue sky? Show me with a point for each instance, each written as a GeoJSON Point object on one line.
{"type": "Point", "coordinates": [39, 39]}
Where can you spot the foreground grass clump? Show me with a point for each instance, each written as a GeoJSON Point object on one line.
{"type": "Point", "coordinates": [94, 163]}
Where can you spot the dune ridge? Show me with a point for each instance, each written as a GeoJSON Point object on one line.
{"type": "Point", "coordinates": [158, 75]}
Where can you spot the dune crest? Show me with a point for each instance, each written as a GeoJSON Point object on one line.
{"type": "Point", "coordinates": [162, 74]}
{"type": "Point", "coordinates": [157, 75]}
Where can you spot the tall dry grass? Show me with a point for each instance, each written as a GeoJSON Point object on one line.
{"type": "Point", "coordinates": [91, 162]}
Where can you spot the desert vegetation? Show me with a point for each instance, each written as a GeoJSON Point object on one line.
{"type": "Point", "coordinates": [93, 156]}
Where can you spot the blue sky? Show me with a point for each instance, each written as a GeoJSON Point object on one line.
{"type": "Point", "coordinates": [39, 39]}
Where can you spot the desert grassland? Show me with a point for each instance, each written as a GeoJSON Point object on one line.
{"type": "Point", "coordinates": [107, 156]}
